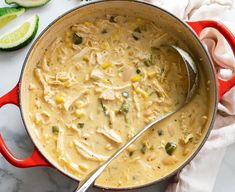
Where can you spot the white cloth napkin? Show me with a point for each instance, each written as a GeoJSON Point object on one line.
{"type": "Point", "coordinates": [200, 174]}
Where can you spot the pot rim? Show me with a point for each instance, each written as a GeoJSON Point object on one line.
{"type": "Point", "coordinates": [203, 49]}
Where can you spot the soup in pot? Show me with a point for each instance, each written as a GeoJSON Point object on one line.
{"type": "Point", "coordinates": [103, 81]}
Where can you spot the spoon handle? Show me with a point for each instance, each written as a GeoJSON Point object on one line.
{"type": "Point", "coordinates": [88, 182]}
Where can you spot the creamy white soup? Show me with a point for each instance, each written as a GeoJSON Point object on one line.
{"type": "Point", "coordinates": [99, 84]}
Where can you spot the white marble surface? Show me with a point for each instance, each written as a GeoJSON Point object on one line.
{"type": "Point", "coordinates": [43, 179]}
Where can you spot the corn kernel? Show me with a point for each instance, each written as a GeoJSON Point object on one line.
{"type": "Point", "coordinates": [71, 144]}
{"type": "Point", "coordinates": [105, 45]}
{"type": "Point", "coordinates": [32, 86]}
{"type": "Point", "coordinates": [98, 90]}
{"type": "Point", "coordinates": [63, 160]}
{"type": "Point", "coordinates": [78, 103]}
{"type": "Point", "coordinates": [67, 84]}
{"type": "Point", "coordinates": [139, 20]}
{"type": "Point", "coordinates": [67, 33]}
{"type": "Point", "coordinates": [106, 65]}
{"type": "Point", "coordinates": [136, 78]}
{"type": "Point", "coordinates": [88, 23]}
{"type": "Point", "coordinates": [151, 74]}
{"type": "Point", "coordinates": [59, 99]}
{"type": "Point", "coordinates": [105, 81]}
{"type": "Point", "coordinates": [38, 121]}
{"type": "Point", "coordinates": [143, 93]}
{"type": "Point", "coordinates": [85, 59]}
{"type": "Point", "coordinates": [131, 53]}
{"type": "Point", "coordinates": [133, 24]}
{"type": "Point", "coordinates": [83, 167]}
{"type": "Point", "coordinates": [67, 40]}
{"type": "Point", "coordinates": [116, 36]}
{"type": "Point", "coordinates": [102, 46]}
{"type": "Point", "coordinates": [79, 113]}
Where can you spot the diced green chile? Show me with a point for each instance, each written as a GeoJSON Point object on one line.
{"type": "Point", "coordinates": [112, 19]}
{"type": "Point", "coordinates": [135, 37]}
{"type": "Point", "coordinates": [137, 29]}
{"type": "Point", "coordinates": [103, 108]}
{"type": "Point", "coordinates": [81, 125]}
{"type": "Point", "coordinates": [158, 93]}
{"type": "Point", "coordinates": [55, 129]}
{"type": "Point", "coordinates": [131, 153]}
{"type": "Point", "coordinates": [160, 132]}
{"type": "Point", "coordinates": [155, 50]}
{"type": "Point", "coordinates": [170, 147]}
{"type": "Point", "coordinates": [147, 62]}
{"type": "Point", "coordinates": [104, 31]}
{"type": "Point", "coordinates": [152, 148]}
{"type": "Point", "coordinates": [154, 56]}
{"type": "Point", "coordinates": [138, 71]}
{"type": "Point", "coordinates": [77, 39]}
{"type": "Point", "coordinates": [136, 33]}
{"type": "Point", "coordinates": [125, 107]}
{"type": "Point", "coordinates": [143, 148]}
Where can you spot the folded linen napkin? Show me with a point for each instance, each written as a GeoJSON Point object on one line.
{"type": "Point", "coordinates": [195, 177]}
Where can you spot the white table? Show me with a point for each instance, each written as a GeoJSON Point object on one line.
{"type": "Point", "coordinates": [44, 179]}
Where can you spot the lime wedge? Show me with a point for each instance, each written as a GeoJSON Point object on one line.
{"type": "Point", "coordinates": [7, 14]}
{"type": "Point", "coordinates": [28, 3]}
{"type": "Point", "coordinates": [20, 36]}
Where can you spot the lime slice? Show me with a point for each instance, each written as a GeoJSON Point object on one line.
{"type": "Point", "coordinates": [28, 3]}
{"type": "Point", "coordinates": [20, 36]}
{"type": "Point", "coordinates": [7, 14]}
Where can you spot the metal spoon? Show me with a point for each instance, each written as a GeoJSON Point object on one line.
{"type": "Point", "coordinates": [192, 73]}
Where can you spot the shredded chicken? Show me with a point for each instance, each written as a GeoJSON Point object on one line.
{"type": "Point", "coordinates": [110, 134]}
{"type": "Point", "coordinates": [48, 94]}
{"type": "Point", "coordinates": [74, 128]}
{"type": "Point", "coordinates": [109, 147]}
{"type": "Point", "coordinates": [101, 57]}
{"type": "Point", "coordinates": [170, 160]}
{"type": "Point", "coordinates": [87, 153]}
{"type": "Point", "coordinates": [137, 103]}
{"type": "Point", "coordinates": [45, 66]}
{"type": "Point", "coordinates": [128, 72]}
{"type": "Point", "coordinates": [111, 116]}
{"type": "Point", "coordinates": [72, 165]}
{"type": "Point", "coordinates": [113, 87]}
{"type": "Point", "coordinates": [54, 46]}
{"type": "Point", "coordinates": [160, 89]}
{"type": "Point", "coordinates": [81, 53]}
{"type": "Point", "coordinates": [71, 100]}
{"type": "Point", "coordinates": [42, 118]}
{"type": "Point", "coordinates": [144, 164]}
{"type": "Point", "coordinates": [186, 139]}
{"type": "Point", "coordinates": [65, 79]}
{"type": "Point", "coordinates": [97, 74]}
{"type": "Point", "coordinates": [60, 143]}
{"type": "Point", "coordinates": [108, 94]}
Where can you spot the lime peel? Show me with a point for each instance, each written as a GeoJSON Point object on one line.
{"type": "Point", "coordinates": [7, 14]}
{"type": "Point", "coordinates": [19, 36]}
{"type": "Point", "coordinates": [28, 3]}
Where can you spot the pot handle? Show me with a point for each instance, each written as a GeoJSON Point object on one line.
{"type": "Point", "coordinates": [198, 26]}
{"type": "Point", "coordinates": [36, 159]}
